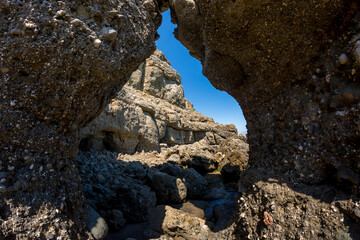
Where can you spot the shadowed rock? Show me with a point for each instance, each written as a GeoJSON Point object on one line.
{"type": "Point", "coordinates": [61, 62]}
{"type": "Point", "coordinates": [290, 66]}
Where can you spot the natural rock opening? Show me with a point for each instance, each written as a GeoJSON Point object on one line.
{"type": "Point", "coordinates": [150, 157]}
{"type": "Point", "coordinates": [293, 66]}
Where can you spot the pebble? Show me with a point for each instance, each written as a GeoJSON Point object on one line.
{"type": "Point", "coordinates": [97, 43]}
{"type": "Point", "coordinates": [11, 168]}
{"type": "Point", "coordinates": [343, 59]}
{"type": "Point", "coordinates": [30, 25]}
{"type": "Point", "coordinates": [16, 32]}
{"type": "Point", "coordinates": [109, 33]}
{"type": "Point", "coordinates": [2, 189]}
{"type": "Point", "coordinates": [12, 103]}
{"type": "Point", "coordinates": [328, 77]}
{"type": "Point", "coordinates": [4, 70]}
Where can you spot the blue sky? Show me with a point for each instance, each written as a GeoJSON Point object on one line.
{"type": "Point", "coordinates": [206, 99]}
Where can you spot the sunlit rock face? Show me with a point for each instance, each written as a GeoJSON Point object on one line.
{"type": "Point", "coordinates": [293, 67]}
{"type": "Point", "coordinates": [60, 63]}
{"type": "Point", "coordinates": [149, 110]}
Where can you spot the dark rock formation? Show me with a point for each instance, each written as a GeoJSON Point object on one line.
{"type": "Point", "coordinates": [60, 64]}
{"type": "Point", "coordinates": [292, 66]}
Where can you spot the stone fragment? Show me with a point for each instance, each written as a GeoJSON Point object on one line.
{"type": "Point", "coordinates": [97, 43]}
{"type": "Point", "coordinates": [344, 59]}
{"type": "Point", "coordinates": [109, 33]}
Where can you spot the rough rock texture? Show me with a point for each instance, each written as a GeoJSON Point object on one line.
{"type": "Point", "coordinates": [60, 64]}
{"type": "Point", "coordinates": [200, 157]}
{"type": "Point", "coordinates": [293, 67]}
{"type": "Point", "coordinates": [178, 224]}
{"type": "Point", "coordinates": [110, 185]}
{"type": "Point", "coordinates": [151, 109]}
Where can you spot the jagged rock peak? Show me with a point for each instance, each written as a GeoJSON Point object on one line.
{"type": "Point", "coordinates": [156, 77]}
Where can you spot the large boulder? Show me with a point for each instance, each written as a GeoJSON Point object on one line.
{"type": "Point", "coordinates": [61, 62]}
{"type": "Point", "coordinates": [109, 185]}
{"type": "Point", "coordinates": [168, 189]}
{"type": "Point", "coordinates": [178, 224]}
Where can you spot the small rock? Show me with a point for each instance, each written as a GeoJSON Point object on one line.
{"type": "Point", "coordinates": [109, 33]}
{"type": "Point", "coordinates": [96, 224]}
{"type": "Point", "coordinates": [343, 59]}
{"type": "Point", "coordinates": [16, 32]}
{"type": "Point", "coordinates": [30, 25]}
{"type": "Point", "coordinates": [4, 70]}
{"type": "Point", "coordinates": [116, 219]}
{"type": "Point", "coordinates": [97, 43]}
{"type": "Point", "coordinates": [2, 189]}
{"type": "Point", "coordinates": [268, 220]}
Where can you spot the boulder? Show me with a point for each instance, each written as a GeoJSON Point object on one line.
{"type": "Point", "coordinates": [195, 184]}
{"type": "Point", "coordinates": [116, 219]}
{"type": "Point", "coordinates": [179, 224]}
{"type": "Point", "coordinates": [168, 189]}
{"type": "Point", "coordinates": [110, 185]}
{"type": "Point", "coordinates": [96, 224]}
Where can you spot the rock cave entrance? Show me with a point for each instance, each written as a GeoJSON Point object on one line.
{"type": "Point", "coordinates": [150, 159]}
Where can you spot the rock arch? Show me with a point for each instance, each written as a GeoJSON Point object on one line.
{"type": "Point", "coordinates": [60, 63]}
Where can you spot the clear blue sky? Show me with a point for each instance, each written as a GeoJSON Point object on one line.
{"type": "Point", "coordinates": [198, 90]}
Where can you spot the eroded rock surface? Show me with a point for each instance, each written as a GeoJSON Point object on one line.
{"type": "Point", "coordinates": [151, 109]}
{"type": "Point", "coordinates": [60, 64]}
{"type": "Point", "coordinates": [293, 67]}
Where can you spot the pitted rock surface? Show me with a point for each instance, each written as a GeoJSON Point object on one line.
{"type": "Point", "coordinates": [60, 64]}
{"type": "Point", "coordinates": [293, 68]}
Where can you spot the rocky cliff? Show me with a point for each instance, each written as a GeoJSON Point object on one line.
{"type": "Point", "coordinates": [149, 110]}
